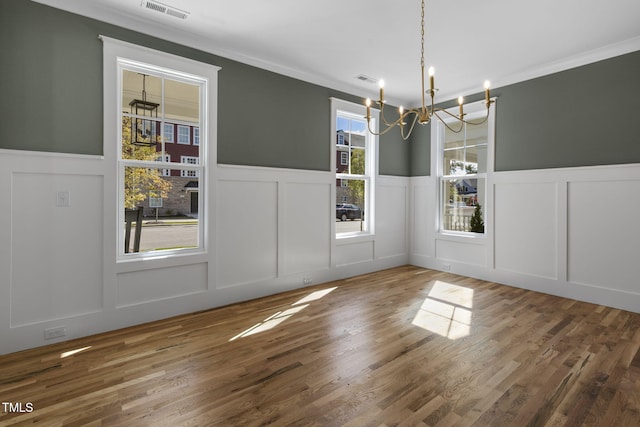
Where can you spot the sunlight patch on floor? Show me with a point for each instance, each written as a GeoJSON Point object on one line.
{"type": "Point", "coordinates": [446, 311]}
{"type": "Point", "coordinates": [72, 352]}
{"type": "Point", "coordinates": [313, 296]}
{"type": "Point", "coordinates": [279, 317]}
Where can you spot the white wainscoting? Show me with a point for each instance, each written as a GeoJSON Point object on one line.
{"type": "Point", "coordinates": [526, 228]}
{"type": "Point", "coordinates": [140, 287]}
{"type": "Point", "coordinates": [270, 230]}
{"type": "Point", "coordinates": [569, 232]}
{"type": "Point", "coordinates": [246, 238]}
{"type": "Point", "coordinates": [306, 226]}
{"type": "Point", "coordinates": [392, 196]}
{"type": "Point", "coordinates": [604, 234]}
{"type": "Point", "coordinates": [422, 217]}
{"type": "Point", "coordinates": [54, 254]}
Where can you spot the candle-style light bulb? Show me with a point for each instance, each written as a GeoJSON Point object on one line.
{"type": "Point", "coordinates": [368, 104]}
{"type": "Point", "coordinates": [432, 71]}
{"type": "Point", "coordinates": [460, 102]}
{"type": "Point", "coordinates": [487, 95]}
{"type": "Point", "coordinates": [401, 113]}
{"type": "Point", "coordinates": [381, 84]}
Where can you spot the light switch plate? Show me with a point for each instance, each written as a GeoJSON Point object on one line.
{"type": "Point", "coordinates": [63, 199]}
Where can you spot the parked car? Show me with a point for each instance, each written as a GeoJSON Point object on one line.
{"type": "Point", "coordinates": [345, 211]}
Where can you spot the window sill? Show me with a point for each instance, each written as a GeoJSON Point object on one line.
{"type": "Point", "coordinates": [160, 260]}
{"type": "Point", "coordinates": [472, 238]}
{"type": "Point", "coordinates": [350, 238]}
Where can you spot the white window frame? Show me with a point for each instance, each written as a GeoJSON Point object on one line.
{"type": "Point", "coordinates": [196, 135]}
{"type": "Point", "coordinates": [473, 110]}
{"type": "Point", "coordinates": [358, 112]}
{"type": "Point", "coordinates": [179, 139]}
{"type": "Point", "coordinates": [119, 55]}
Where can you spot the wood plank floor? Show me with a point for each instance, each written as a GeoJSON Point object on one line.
{"type": "Point", "coordinates": [400, 347]}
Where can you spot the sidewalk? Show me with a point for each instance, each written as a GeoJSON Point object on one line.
{"type": "Point", "coordinates": [165, 221]}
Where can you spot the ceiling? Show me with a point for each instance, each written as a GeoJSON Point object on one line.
{"type": "Point", "coordinates": [330, 42]}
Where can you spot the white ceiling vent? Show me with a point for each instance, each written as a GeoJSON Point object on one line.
{"type": "Point", "coordinates": [163, 8]}
{"type": "Point", "coordinates": [367, 79]}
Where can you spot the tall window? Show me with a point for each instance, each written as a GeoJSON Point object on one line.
{"type": "Point", "coordinates": [463, 174]}
{"type": "Point", "coordinates": [354, 163]}
{"type": "Point", "coordinates": [147, 95]}
{"type": "Point", "coordinates": [148, 178]}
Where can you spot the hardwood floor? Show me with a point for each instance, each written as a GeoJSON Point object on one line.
{"type": "Point", "coordinates": [400, 347]}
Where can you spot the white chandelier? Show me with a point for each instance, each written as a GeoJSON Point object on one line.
{"type": "Point", "coordinates": [425, 113]}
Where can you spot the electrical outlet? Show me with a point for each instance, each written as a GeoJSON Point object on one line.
{"type": "Point", "coordinates": [307, 281]}
{"type": "Point", "coordinates": [446, 267]}
{"type": "Point", "coordinates": [52, 333]}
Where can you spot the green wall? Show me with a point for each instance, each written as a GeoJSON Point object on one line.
{"type": "Point", "coordinates": [52, 101]}
{"type": "Point", "coordinates": [52, 96]}
{"type": "Point", "coordinates": [420, 164]}
{"type": "Point", "coordinates": [580, 117]}
{"type": "Point", "coordinates": [584, 116]}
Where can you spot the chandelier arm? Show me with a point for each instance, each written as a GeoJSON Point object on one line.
{"type": "Point", "coordinates": [387, 129]}
{"type": "Point", "coordinates": [486, 117]}
{"type": "Point", "coordinates": [462, 122]}
{"type": "Point", "coordinates": [413, 123]}
{"type": "Point", "coordinates": [384, 120]}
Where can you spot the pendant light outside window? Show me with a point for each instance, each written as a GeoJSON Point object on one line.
{"type": "Point", "coordinates": [144, 123]}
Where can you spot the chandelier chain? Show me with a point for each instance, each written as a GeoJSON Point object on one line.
{"type": "Point", "coordinates": [422, 35]}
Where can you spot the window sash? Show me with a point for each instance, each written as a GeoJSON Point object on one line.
{"type": "Point", "coordinates": [163, 164]}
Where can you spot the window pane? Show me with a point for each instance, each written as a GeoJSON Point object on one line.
{"type": "Point", "coordinates": [477, 134]}
{"type": "Point", "coordinates": [453, 163]}
{"type": "Point", "coordinates": [465, 152]}
{"type": "Point", "coordinates": [358, 163]}
{"type": "Point", "coordinates": [351, 138]}
{"type": "Point", "coordinates": [169, 204]}
{"type": "Point", "coordinates": [357, 133]}
{"type": "Point", "coordinates": [182, 101]}
{"type": "Point", "coordinates": [476, 159]}
{"type": "Point", "coordinates": [460, 203]}
{"type": "Point", "coordinates": [342, 159]}
{"type": "Point", "coordinates": [342, 124]}
{"type": "Point", "coordinates": [350, 198]}
{"type": "Point", "coordinates": [184, 144]}
{"type": "Point", "coordinates": [453, 139]}
{"type": "Point", "coordinates": [133, 83]}
{"type": "Point", "coordinates": [133, 151]}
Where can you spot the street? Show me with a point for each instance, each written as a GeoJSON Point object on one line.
{"type": "Point", "coordinates": [167, 235]}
